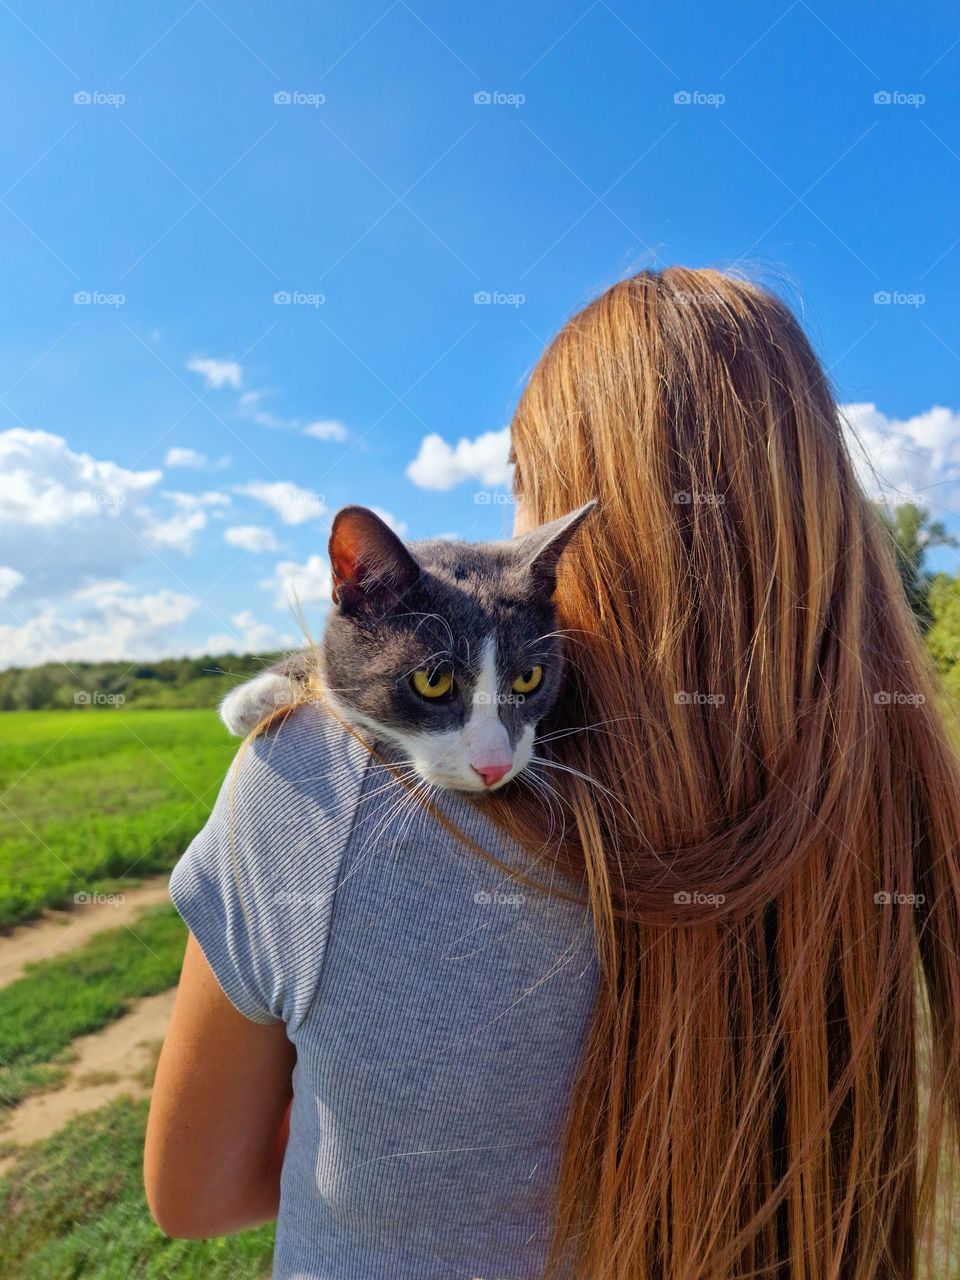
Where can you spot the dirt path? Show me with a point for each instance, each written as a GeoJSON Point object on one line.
{"type": "Point", "coordinates": [108, 1063]}
{"type": "Point", "coordinates": [58, 931]}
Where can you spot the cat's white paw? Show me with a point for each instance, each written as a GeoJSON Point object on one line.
{"type": "Point", "coordinates": [245, 706]}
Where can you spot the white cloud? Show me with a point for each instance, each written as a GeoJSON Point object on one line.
{"type": "Point", "coordinates": [43, 482]}
{"type": "Point", "coordinates": [439, 465]}
{"type": "Point", "coordinates": [72, 528]}
{"type": "Point", "coordinates": [66, 517]}
{"type": "Point", "coordinates": [193, 501]}
{"type": "Point", "coordinates": [178, 532]}
{"type": "Point", "coordinates": [326, 430]}
{"type": "Point", "coordinates": [251, 537]}
{"type": "Point", "coordinates": [217, 373]}
{"type": "Point", "coordinates": [105, 620]}
{"type": "Point", "coordinates": [906, 460]}
{"type": "Point", "coordinates": [291, 503]}
{"type": "Point", "coordinates": [307, 583]}
{"type": "Point", "coordinates": [266, 419]}
{"type": "Point", "coordinates": [10, 579]}
{"type": "Point", "coordinates": [250, 635]}
{"type": "Point", "coordinates": [195, 461]}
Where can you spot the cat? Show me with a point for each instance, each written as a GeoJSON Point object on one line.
{"type": "Point", "coordinates": [447, 650]}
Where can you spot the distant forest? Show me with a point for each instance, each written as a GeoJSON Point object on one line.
{"type": "Point", "coordinates": [166, 683]}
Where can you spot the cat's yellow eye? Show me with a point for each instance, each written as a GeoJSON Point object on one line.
{"type": "Point", "coordinates": [528, 681]}
{"type": "Point", "coordinates": [432, 684]}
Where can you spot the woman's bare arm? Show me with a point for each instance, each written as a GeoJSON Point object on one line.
{"type": "Point", "coordinates": [219, 1114]}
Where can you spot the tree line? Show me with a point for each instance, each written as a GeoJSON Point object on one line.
{"type": "Point", "coordinates": [166, 683]}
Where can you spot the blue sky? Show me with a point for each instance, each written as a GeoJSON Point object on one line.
{"type": "Point", "coordinates": [171, 450]}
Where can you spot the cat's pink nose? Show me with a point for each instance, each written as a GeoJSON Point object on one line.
{"type": "Point", "coordinates": [491, 773]}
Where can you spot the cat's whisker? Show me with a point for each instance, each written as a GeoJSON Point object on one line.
{"type": "Point", "coordinates": [554, 764]}
{"type": "Point", "coordinates": [422, 663]}
{"type": "Point", "coordinates": [563, 632]}
{"type": "Point", "coordinates": [578, 773]}
{"type": "Point", "coordinates": [424, 617]}
{"type": "Point", "coordinates": [389, 786]}
{"type": "Point", "coordinates": [582, 728]}
{"type": "Point", "coordinates": [407, 795]}
{"type": "Point", "coordinates": [548, 789]}
{"type": "Point", "coordinates": [404, 819]}
{"type": "Point", "coordinates": [540, 788]}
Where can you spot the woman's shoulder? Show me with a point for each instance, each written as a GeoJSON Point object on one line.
{"type": "Point", "coordinates": [257, 884]}
{"type": "Point", "coordinates": [307, 756]}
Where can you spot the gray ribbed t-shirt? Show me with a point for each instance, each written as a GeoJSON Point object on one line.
{"type": "Point", "coordinates": [438, 1008]}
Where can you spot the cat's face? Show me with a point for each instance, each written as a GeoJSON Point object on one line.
{"type": "Point", "coordinates": [447, 650]}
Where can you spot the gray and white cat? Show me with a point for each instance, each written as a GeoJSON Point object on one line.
{"type": "Point", "coordinates": [447, 650]}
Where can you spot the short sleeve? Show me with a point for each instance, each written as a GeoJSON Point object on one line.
{"type": "Point", "coordinates": [257, 886]}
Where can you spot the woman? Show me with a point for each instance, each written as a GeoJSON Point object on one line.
{"type": "Point", "coordinates": [754, 815]}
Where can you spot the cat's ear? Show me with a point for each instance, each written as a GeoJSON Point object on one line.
{"type": "Point", "coordinates": [542, 547]}
{"type": "Point", "coordinates": [369, 563]}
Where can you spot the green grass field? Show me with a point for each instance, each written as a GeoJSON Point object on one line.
{"type": "Point", "coordinates": [93, 797]}
{"type": "Point", "coordinates": [73, 1205]}
{"type": "Point", "coordinates": [89, 799]}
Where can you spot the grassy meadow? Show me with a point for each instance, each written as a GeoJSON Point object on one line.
{"type": "Point", "coordinates": [92, 797]}
{"type": "Point", "coordinates": [90, 800]}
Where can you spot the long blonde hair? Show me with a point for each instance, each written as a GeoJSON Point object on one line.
{"type": "Point", "coordinates": [762, 800]}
